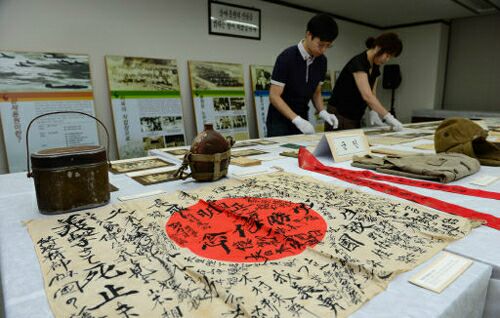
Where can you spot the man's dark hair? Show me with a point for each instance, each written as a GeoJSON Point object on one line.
{"type": "Point", "coordinates": [388, 42]}
{"type": "Point", "coordinates": [324, 27]}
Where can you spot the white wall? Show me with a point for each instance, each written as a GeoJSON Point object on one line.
{"type": "Point", "coordinates": [156, 28]}
{"type": "Point", "coordinates": [473, 75]}
{"type": "Point", "coordinates": [422, 64]}
{"type": "Point", "coordinates": [179, 29]}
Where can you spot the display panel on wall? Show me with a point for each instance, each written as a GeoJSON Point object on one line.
{"type": "Point", "coordinates": [146, 103]}
{"type": "Point", "coordinates": [219, 97]}
{"type": "Point", "coordinates": [35, 83]}
{"type": "Point", "coordinates": [261, 81]}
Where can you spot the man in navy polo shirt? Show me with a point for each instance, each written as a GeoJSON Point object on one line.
{"type": "Point", "coordinates": [297, 77]}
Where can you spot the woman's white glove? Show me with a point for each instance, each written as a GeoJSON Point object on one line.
{"type": "Point", "coordinates": [331, 119]}
{"type": "Point", "coordinates": [393, 122]}
{"type": "Point", "coordinates": [303, 125]}
{"type": "Point", "coordinates": [374, 119]}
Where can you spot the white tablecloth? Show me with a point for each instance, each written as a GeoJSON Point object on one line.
{"type": "Point", "coordinates": [22, 282]}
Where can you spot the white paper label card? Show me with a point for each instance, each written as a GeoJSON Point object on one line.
{"type": "Point", "coordinates": [140, 195]}
{"type": "Point", "coordinates": [441, 273]}
{"type": "Point", "coordinates": [343, 145]}
{"type": "Point", "coordinates": [485, 180]}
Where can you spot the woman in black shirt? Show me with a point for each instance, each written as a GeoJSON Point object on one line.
{"type": "Point", "coordinates": [355, 87]}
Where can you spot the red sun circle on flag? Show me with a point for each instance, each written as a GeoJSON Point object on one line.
{"type": "Point", "coordinates": [246, 229]}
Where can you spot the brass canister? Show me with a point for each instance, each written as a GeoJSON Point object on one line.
{"type": "Point", "coordinates": [69, 179]}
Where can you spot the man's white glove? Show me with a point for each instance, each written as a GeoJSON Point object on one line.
{"type": "Point", "coordinates": [374, 119]}
{"type": "Point", "coordinates": [393, 122]}
{"type": "Point", "coordinates": [303, 125]}
{"type": "Point", "coordinates": [329, 118]}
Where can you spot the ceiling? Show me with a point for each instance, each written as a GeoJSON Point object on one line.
{"type": "Point", "coordinates": [393, 13]}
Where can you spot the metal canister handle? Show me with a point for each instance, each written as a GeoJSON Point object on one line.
{"type": "Point", "coordinates": [61, 112]}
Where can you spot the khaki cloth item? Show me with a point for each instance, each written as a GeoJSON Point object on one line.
{"type": "Point", "coordinates": [462, 135]}
{"type": "Point", "coordinates": [444, 168]}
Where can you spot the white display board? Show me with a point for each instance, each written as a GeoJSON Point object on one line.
{"type": "Point", "coordinates": [146, 104]}
{"type": "Point", "coordinates": [219, 97]}
{"type": "Point", "coordinates": [35, 83]}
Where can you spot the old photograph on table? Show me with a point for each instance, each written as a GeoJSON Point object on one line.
{"type": "Point", "coordinates": [241, 144]}
{"type": "Point", "coordinates": [266, 142]}
{"type": "Point", "coordinates": [176, 152]}
{"type": "Point", "coordinates": [146, 103]}
{"type": "Point", "coordinates": [156, 177]}
{"type": "Point", "coordinates": [129, 165]}
{"type": "Point", "coordinates": [36, 83]}
{"type": "Point", "coordinates": [411, 135]}
{"type": "Point", "coordinates": [247, 152]}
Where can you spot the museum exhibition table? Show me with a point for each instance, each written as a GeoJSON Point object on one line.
{"type": "Point", "coordinates": [472, 294]}
{"type": "Point", "coordinates": [419, 115]}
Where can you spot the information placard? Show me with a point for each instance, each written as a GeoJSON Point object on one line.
{"type": "Point", "coordinates": [343, 145]}
{"type": "Point", "coordinates": [36, 83]}
{"type": "Point", "coordinates": [146, 103]}
{"type": "Point", "coordinates": [219, 97]}
{"type": "Point", "coordinates": [441, 273]}
{"type": "Point", "coordinates": [233, 20]}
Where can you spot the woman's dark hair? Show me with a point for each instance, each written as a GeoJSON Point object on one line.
{"type": "Point", "coordinates": [324, 27]}
{"type": "Point", "coordinates": [387, 42]}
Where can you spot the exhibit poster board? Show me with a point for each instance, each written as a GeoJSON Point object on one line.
{"type": "Point", "coordinates": [146, 103]}
{"type": "Point", "coordinates": [261, 81]}
{"type": "Point", "coordinates": [36, 83]}
{"type": "Point", "coordinates": [219, 97]}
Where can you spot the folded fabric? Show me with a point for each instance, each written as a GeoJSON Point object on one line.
{"type": "Point", "coordinates": [460, 135]}
{"type": "Point", "coordinates": [443, 167]}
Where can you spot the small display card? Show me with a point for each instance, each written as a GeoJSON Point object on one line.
{"type": "Point", "coordinates": [485, 180]}
{"type": "Point", "coordinates": [140, 195]}
{"type": "Point", "coordinates": [343, 145]}
{"type": "Point", "coordinates": [441, 273]}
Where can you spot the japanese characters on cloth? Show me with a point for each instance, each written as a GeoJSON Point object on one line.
{"type": "Point", "coordinates": [369, 179]}
{"type": "Point", "coordinates": [279, 245]}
